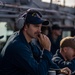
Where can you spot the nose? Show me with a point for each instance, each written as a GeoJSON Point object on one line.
{"type": "Point", "coordinates": [39, 29]}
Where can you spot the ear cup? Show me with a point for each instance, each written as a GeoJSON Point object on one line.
{"type": "Point", "coordinates": [20, 21]}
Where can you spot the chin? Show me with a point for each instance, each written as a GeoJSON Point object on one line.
{"type": "Point", "coordinates": [35, 37]}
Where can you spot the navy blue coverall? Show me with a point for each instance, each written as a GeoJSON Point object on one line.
{"type": "Point", "coordinates": [20, 58]}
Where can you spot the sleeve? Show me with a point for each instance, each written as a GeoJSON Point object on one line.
{"type": "Point", "coordinates": [23, 58]}
{"type": "Point", "coordinates": [62, 63]}
{"type": "Point", "coordinates": [37, 53]}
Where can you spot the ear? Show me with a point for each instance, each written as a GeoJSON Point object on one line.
{"type": "Point", "coordinates": [25, 27]}
{"type": "Point", "coordinates": [65, 49]}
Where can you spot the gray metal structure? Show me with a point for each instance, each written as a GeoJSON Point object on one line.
{"type": "Point", "coordinates": [11, 9]}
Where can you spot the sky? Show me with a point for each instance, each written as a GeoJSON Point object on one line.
{"type": "Point", "coordinates": [3, 31]}
{"type": "Point", "coordinates": [70, 3]}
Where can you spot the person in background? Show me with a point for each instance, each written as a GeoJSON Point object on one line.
{"type": "Point", "coordinates": [21, 57]}
{"type": "Point", "coordinates": [55, 37]}
{"type": "Point", "coordinates": [45, 29]}
{"type": "Point", "coordinates": [65, 56]}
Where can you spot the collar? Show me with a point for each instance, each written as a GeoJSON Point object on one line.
{"type": "Point", "coordinates": [59, 54]}
{"type": "Point", "coordinates": [23, 38]}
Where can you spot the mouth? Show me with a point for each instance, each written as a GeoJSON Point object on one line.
{"type": "Point", "coordinates": [37, 35]}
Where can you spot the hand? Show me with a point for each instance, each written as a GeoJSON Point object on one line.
{"type": "Point", "coordinates": [44, 41]}
{"type": "Point", "coordinates": [66, 70]}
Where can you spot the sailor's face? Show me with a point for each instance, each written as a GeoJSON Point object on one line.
{"type": "Point", "coordinates": [34, 30]}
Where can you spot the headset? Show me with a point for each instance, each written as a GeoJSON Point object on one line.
{"type": "Point", "coordinates": [20, 21]}
{"type": "Point", "coordinates": [22, 18]}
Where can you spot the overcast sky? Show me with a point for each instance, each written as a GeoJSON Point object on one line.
{"type": "Point", "coordinates": [67, 2]}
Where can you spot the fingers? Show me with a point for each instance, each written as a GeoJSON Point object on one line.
{"type": "Point", "coordinates": [66, 71]}
{"type": "Point", "coordinates": [44, 42]}
{"type": "Point", "coordinates": [42, 37]}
